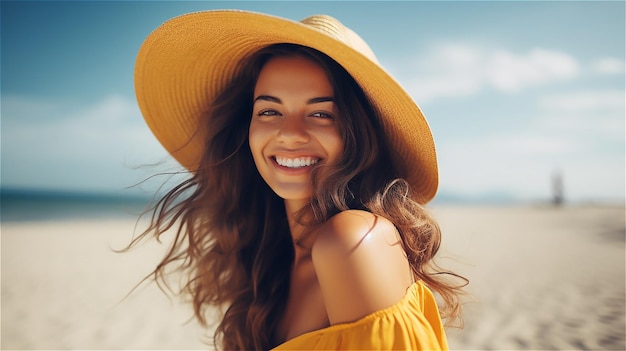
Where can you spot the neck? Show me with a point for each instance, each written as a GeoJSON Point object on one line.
{"type": "Point", "coordinates": [293, 207]}
{"type": "Point", "coordinates": [296, 229]}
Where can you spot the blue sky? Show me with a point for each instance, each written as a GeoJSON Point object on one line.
{"type": "Point", "coordinates": [514, 91]}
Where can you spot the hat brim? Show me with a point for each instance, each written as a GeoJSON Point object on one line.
{"type": "Point", "coordinates": [185, 62]}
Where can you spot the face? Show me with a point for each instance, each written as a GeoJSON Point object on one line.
{"type": "Point", "coordinates": [293, 126]}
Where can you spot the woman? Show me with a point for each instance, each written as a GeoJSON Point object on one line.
{"type": "Point", "coordinates": [308, 164]}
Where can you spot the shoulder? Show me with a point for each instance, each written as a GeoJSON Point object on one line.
{"type": "Point", "coordinates": [360, 265]}
{"type": "Point", "coordinates": [347, 229]}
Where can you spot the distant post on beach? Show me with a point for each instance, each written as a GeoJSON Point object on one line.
{"type": "Point", "coordinates": [557, 189]}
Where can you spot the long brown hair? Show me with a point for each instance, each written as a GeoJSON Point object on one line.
{"type": "Point", "coordinates": [231, 236]}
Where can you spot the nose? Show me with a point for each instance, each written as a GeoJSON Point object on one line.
{"type": "Point", "coordinates": [293, 130]}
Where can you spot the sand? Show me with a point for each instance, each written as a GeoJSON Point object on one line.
{"type": "Point", "coordinates": [541, 278]}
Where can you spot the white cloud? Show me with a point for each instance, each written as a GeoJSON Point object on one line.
{"type": "Point", "coordinates": [577, 132]}
{"type": "Point", "coordinates": [594, 117]}
{"type": "Point", "coordinates": [608, 65]}
{"type": "Point", "coordinates": [522, 164]}
{"type": "Point", "coordinates": [449, 71]}
{"type": "Point", "coordinates": [587, 101]}
{"type": "Point", "coordinates": [86, 147]}
{"type": "Point", "coordinates": [509, 72]}
{"type": "Point", "coordinates": [580, 134]}
{"type": "Point", "coordinates": [452, 70]}
{"type": "Point", "coordinates": [507, 163]}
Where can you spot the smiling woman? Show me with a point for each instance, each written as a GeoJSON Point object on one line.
{"type": "Point", "coordinates": [309, 165]}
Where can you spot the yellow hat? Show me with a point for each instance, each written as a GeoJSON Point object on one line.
{"type": "Point", "coordinates": [186, 61]}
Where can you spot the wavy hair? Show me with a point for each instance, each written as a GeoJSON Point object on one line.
{"type": "Point", "coordinates": [231, 237]}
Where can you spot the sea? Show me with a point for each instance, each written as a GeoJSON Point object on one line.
{"type": "Point", "coordinates": [19, 205]}
{"type": "Point", "coordinates": [45, 205]}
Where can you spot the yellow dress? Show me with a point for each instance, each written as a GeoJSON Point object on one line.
{"type": "Point", "coordinates": [413, 323]}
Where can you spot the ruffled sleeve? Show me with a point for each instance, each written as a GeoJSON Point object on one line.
{"type": "Point", "coordinates": [413, 323]}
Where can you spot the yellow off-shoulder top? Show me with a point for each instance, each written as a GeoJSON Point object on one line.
{"type": "Point", "coordinates": [413, 323]}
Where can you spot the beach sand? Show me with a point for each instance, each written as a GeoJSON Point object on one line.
{"type": "Point", "coordinates": [541, 278]}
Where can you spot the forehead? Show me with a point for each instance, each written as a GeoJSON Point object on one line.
{"type": "Point", "coordinates": [293, 74]}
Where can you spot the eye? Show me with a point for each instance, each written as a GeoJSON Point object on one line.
{"type": "Point", "coordinates": [322, 115]}
{"type": "Point", "coordinates": [268, 113]}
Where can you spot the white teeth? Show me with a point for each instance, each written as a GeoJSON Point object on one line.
{"type": "Point", "coordinates": [296, 162]}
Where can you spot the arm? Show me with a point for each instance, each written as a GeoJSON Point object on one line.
{"type": "Point", "coordinates": [360, 265]}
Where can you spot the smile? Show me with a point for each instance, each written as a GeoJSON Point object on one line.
{"type": "Point", "coordinates": [298, 162]}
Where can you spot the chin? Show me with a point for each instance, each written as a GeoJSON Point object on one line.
{"type": "Point", "coordinates": [293, 194]}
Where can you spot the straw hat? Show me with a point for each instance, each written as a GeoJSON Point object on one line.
{"type": "Point", "coordinates": [185, 62]}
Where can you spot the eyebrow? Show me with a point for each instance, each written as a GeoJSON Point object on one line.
{"type": "Point", "coordinates": [315, 100]}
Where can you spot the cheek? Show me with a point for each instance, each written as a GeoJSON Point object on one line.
{"type": "Point", "coordinates": [334, 145]}
{"type": "Point", "coordinates": [255, 140]}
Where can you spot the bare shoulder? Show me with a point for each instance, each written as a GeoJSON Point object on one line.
{"type": "Point", "coordinates": [360, 265]}
{"type": "Point", "coordinates": [347, 229]}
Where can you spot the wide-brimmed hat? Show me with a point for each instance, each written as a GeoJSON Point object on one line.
{"type": "Point", "coordinates": [188, 60]}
